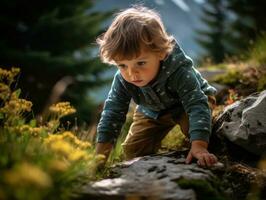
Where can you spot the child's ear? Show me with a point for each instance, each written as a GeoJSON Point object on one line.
{"type": "Point", "coordinates": [162, 55]}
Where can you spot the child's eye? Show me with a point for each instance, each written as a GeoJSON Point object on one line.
{"type": "Point", "coordinates": [141, 63]}
{"type": "Point", "coordinates": [122, 66]}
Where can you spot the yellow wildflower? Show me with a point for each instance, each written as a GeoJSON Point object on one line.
{"type": "Point", "coordinates": [3, 72]}
{"type": "Point", "coordinates": [28, 174]}
{"type": "Point", "coordinates": [52, 138]}
{"type": "Point", "coordinates": [15, 71]}
{"type": "Point", "coordinates": [72, 138]}
{"type": "Point", "coordinates": [58, 165]}
{"type": "Point", "coordinates": [69, 135]}
{"type": "Point", "coordinates": [53, 124]}
{"type": "Point", "coordinates": [77, 155]}
{"type": "Point", "coordinates": [9, 73]}
{"type": "Point", "coordinates": [4, 91]}
{"type": "Point", "coordinates": [24, 128]}
{"type": "Point", "coordinates": [61, 147]}
{"type": "Point", "coordinates": [85, 145]}
{"type": "Point", "coordinates": [62, 109]}
{"type": "Point", "coordinates": [17, 106]}
{"type": "Point", "coordinates": [36, 131]}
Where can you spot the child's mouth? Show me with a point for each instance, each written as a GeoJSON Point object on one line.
{"type": "Point", "coordinates": [137, 81]}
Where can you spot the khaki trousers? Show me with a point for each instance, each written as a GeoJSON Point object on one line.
{"type": "Point", "coordinates": [145, 134]}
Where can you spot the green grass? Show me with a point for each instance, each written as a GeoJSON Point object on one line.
{"type": "Point", "coordinates": [174, 139]}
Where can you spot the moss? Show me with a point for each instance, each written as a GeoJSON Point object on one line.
{"type": "Point", "coordinates": [232, 78]}
{"type": "Point", "coordinates": [204, 190]}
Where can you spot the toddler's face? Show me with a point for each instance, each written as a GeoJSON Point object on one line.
{"type": "Point", "coordinates": [141, 70]}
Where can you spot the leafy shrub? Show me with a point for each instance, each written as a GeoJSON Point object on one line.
{"type": "Point", "coordinates": [39, 161]}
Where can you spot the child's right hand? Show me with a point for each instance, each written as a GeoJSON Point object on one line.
{"type": "Point", "coordinates": [199, 151]}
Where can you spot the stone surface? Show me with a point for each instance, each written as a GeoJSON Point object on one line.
{"type": "Point", "coordinates": [240, 130]}
{"type": "Point", "coordinates": [244, 123]}
{"type": "Point", "coordinates": [151, 177]}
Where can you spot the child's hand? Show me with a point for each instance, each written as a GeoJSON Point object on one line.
{"type": "Point", "coordinates": [199, 151]}
{"type": "Point", "coordinates": [104, 148]}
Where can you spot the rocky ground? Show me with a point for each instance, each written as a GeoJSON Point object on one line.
{"type": "Point", "coordinates": [238, 140]}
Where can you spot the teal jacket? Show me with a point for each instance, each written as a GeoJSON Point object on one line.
{"type": "Point", "coordinates": [178, 87]}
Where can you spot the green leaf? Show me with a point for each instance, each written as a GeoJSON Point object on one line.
{"type": "Point", "coordinates": [17, 92]}
{"type": "Point", "coordinates": [33, 123]}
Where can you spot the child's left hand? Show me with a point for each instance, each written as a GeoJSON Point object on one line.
{"type": "Point", "coordinates": [199, 151]}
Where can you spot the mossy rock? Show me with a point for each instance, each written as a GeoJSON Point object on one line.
{"type": "Point", "coordinates": [204, 189]}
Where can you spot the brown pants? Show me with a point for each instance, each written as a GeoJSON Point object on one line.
{"type": "Point", "coordinates": [145, 134]}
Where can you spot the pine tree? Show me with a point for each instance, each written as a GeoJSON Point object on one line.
{"type": "Point", "coordinates": [213, 39]}
{"type": "Point", "coordinates": [248, 23]}
{"type": "Point", "coordinates": [52, 43]}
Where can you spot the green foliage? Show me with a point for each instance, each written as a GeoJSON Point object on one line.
{"type": "Point", "coordinates": [258, 51]}
{"type": "Point", "coordinates": [174, 139]}
{"type": "Point", "coordinates": [249, 75]}
{"type": "Point", "coordinates": [257, 57]}
{"type": "Point", "coordinates": [39, 161]}
{"type": "Point", "coordinates": [52, 42]}
{"type": "Point", "coordinates": [204, 190]}
{"type": "Point", "coordinates": [231, 78]}
{"type": "Point", "coordinates": [117, 153]}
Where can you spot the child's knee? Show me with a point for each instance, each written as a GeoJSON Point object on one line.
{"type": "Point", "coordinates": [136, 150]}
{"type": "Point", "coordinates": [129, 151]}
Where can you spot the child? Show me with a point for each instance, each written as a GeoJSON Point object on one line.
{"type": "Point", "coordinates": [154, 72]}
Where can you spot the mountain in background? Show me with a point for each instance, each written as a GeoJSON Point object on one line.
{"type": "Point", "coordinates": [181, 19]}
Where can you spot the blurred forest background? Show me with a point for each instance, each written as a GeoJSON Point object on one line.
{"type": "Point", "coordinates": [62, 79]}
{"type": "Point", "coordinates": [53, 42]}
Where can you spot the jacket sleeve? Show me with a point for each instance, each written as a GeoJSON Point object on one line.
{"type": "Point", "coordinates": [195, 103]}
{"type": "Point", "coordinates": [114, 112]}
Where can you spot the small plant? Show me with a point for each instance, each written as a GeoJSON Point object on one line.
{"type": "Point", "coordinates": [39, 161]}
{"type": "Point", "coordinates": [232, 97]}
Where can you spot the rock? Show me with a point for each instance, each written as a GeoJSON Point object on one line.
{"type": "Point", "coordinates": [244, 123]}
{"type": "Point", "coordinates": [156, 177]}
{"type": "Point", "coordinates": [240, 128]}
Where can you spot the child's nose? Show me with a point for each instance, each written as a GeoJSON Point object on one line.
{"type": "Point", "coordinates": [132, 71]}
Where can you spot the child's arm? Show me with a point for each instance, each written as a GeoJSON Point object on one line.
{"type": "Point", "coordinates": [104, 148]}
{"type": "Point", "coordinates": [113, 117]}
{"type": "Point", "coordinates": [200, 152]}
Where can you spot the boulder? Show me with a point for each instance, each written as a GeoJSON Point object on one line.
{"type": "Point", "coordinates": [244, 123]}
{"type": "Point", "coordinates": [239, 131]}
{"type": "Point", "coordinates": [156, 177]}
